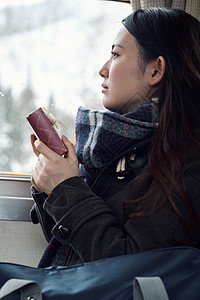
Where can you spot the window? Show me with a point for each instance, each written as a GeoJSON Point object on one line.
{"type": "Point", "coordinates": [50, 55]}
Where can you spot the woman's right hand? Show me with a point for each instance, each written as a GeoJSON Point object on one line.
{"type": "Point", "coordinates": [51, 168]}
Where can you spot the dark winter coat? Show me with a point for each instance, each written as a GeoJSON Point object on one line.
{"type": "Point", "coordinates": [85, 221]}
{"type": "Point", "coordinates": [90, 225]}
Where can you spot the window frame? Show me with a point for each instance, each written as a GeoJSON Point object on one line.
{"type": "Point", "coordinates": [15, 197]}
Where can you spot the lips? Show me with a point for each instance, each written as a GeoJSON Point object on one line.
{"type": "Point", "coordinates": [105, 88]}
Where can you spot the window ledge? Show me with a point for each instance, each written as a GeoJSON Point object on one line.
{"type": "Point", "coordinates": [15, 197]}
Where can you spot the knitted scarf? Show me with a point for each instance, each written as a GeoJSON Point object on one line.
{"type": "Point", "coordinates": [102, 136]}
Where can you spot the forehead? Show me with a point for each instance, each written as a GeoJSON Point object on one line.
{"type": "Point", "coordinates": [125, 39]}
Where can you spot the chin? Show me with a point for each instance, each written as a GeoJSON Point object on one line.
{"type": "Point", "coordinates": [111, 108]}
{"type": "Point", "coordinates": [108, 107]}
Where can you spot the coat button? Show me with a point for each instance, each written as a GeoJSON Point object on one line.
{"type": "Point", "coordinates": [63, 232]}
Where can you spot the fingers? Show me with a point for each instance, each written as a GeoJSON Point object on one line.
{"type": "Point", "coordinates": [39, 173]}
{"type": "Point", "coordinates": [46, 151]}
{"type": "Point", "coordinates": [33, 139]}
{"type": "Point", "coordinates": [69, 145]}
{"type": "Point", "coordinates": [40, 147]}
{"type": "Point", "coordinates": [51, 168]}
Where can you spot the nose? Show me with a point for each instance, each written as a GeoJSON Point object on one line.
{"type": "Point", "coordinates": [104, 72]}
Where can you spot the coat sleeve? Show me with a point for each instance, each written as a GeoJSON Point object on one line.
{"type": "Point", "coordinates": [86, 222]}
{"type": "Point", "coordinates": [39, 215]}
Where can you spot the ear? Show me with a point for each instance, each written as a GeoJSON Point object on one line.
{"type": "Point", "coordinates": [158, 71]}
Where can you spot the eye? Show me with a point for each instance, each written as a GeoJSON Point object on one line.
{"type": "Point", "coordinates": [114, 54]}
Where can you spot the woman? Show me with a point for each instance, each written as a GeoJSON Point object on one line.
{"type": "Point", "coordinates": [139, 184]}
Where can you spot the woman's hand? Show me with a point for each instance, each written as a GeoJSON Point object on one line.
{"type": "Point", "coordinates": [51, 168]}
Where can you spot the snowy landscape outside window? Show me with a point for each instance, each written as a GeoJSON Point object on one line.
{"type": "Point", "coordinates": [50, 55]}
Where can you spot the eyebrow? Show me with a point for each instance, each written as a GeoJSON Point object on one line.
{"type": "Point", "coordinates": [116, 45]}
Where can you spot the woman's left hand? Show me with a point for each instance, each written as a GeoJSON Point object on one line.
{"type": "Point", "coordinates": [51, 168]}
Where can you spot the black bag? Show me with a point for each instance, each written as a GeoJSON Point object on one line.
{"type": "Point", "coordinates": [110, 279]}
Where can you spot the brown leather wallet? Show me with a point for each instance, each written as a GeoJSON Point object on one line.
{"type": "Point", "coordinates": [46, 132]}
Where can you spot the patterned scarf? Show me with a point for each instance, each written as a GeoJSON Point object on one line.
{"type": "Point", "coordinates": [102, 136]}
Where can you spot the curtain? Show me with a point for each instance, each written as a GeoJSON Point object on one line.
{"type": "Point", "coordinates": [190, 6]}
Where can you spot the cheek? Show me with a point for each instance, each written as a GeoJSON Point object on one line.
{"type": "Point", "coordinates": [116, 74]}
{"type": "Point", "coordinates": [129, 75]}
{"type": "Point", "coordinates": [123, 82]}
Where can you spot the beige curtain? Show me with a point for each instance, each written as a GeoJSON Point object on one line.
{"type": "Point", "coordinates": [190, 6]}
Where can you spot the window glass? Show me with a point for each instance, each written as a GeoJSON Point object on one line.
{"type": "Point", "coordinates": [50, 55]}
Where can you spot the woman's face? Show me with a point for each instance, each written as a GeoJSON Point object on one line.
{"type": "Point", "coordinates": [125, 85]}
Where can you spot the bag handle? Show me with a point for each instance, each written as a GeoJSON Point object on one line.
{"type": "Point", "coordinates": [144, 288]}
{"type": "Point", "coordinates": [149, 288]}
{"type": "Point", "coordinates": [29, 290]}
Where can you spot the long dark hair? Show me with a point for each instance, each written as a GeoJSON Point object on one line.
{"type": "Point", "coordinates": [175, 35]}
